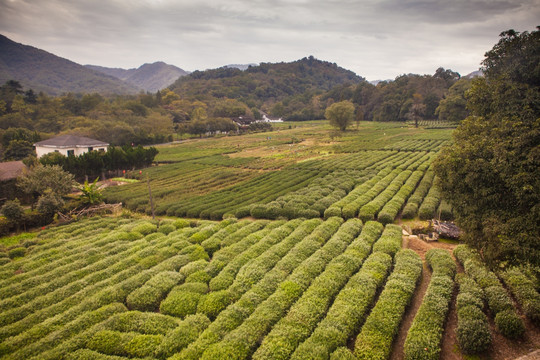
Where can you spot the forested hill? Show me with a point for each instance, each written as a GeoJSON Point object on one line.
{"type": "Point", "coordinates": [279, 88]}
{"type": "Point", "coordinates": [149, 77]}
{"type": "Point", "coordinates": [43, 71]}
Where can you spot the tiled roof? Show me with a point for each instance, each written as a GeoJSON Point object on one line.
{"type": "Point", "coordinates": [11, 169]}
{"type": "Point", "coordinates": [70, 141]}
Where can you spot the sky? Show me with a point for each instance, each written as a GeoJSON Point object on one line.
{"type": "Point", "coordinates": [377, 39]}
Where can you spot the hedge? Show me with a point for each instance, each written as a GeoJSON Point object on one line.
{"type": "Point", "coordinates": [245, 336]}
{"type": "Point", "coordinates": [186, 332]}
{"type": "Point", "coordinates": [413, 203]}
{"type": "Point", "coordinates": [509, 324]}
{"type": "Point", "coordinates": [381, 326]}
{"type": "Point", "coordinates": [304, 315]}
{"type": "Point", "coordinates": [307, 238]}
{"type": "Point", "coordinates": [348, 310]}
{"type": "Point", "coordinates": [424, 336]}
{"type": "Point", "coordinates": [473, 328]}
{"type": "Point", "coordinates": [524, 291]}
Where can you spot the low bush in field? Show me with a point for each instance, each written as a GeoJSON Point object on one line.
{"type": "Point", "coordinates": [473, 329]}
{"type": "Point", "coordinates": [187, 331]}
{"type": "Point", "coordinates": [413, 203]}
{"type": "Point", "coordinates": [381, 326]}
{"type": "Point", "coordinates": [425, 334]}
{"type": "Point", "coordinates": [524, 291]}
{"type": "Point", "coordinates": [431, 202]}
{"type": "Point", "coordinates": [498, 299]}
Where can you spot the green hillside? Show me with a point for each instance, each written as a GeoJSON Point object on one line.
{"type": "Point", "coordinates": [43, 71]}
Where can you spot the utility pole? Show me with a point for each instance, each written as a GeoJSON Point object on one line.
{"type": "Point", "coordinates": [150, 194]}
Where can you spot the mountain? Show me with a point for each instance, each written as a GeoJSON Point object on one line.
{"type": "Point", "coordinates": [149, 77]}
{"type": "Point", "coordinates": [43, 71]}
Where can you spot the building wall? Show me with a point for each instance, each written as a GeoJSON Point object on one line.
{"type": "Point", "coordinates": [40, 150]}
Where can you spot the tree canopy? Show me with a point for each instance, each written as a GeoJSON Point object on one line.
{"type": "Point", "coordinates": [491, 172]}
{"type": "Point", "coordinates": [340, 114]}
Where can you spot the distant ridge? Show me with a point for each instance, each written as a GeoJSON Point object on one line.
{"type": "Point", "coordinates": [242, 67]}
{"type": "Point", "coordinates": [148, 77]}
{"type": "Point", "coordinates": [43, 71]}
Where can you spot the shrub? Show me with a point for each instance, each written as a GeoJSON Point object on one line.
{"type": "Point", "coordinates": [143, 345]}
{"type": "Point", "coordinates": [167, 229]}
{"type": "Point", "coordinates": [524, 290]}
{"type": "Point", "coordinates": [17, 252]}
{"type": "Point", "coordinates": [473, 336]}
{"type": "Point", "coordinates": [375, 339]}
{"type": "Point", "coordinates": [424, 336]}
{"type": "Point", "coordinates": [473, 329]}
{"type": "Point", "coordinates": [213, 303]}
{"type": "Point", "coordinates": [509, 324]}
{"type": "Point", "coordinates": [186, 332]}
{"type": "Point", "coordinates": [145, 228]}
{"type": "Point", "coordinates": [180, 303]}
{"type": "Point", "coordinates": [13, 210]}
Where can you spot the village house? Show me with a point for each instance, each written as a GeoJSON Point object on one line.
{"type": "Point", "coordinates": [69, 145]}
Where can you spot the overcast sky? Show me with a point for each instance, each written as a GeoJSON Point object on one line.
{"type": "Point", "coordinates": [375, 39]}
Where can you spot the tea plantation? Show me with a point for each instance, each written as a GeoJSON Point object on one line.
{"type": "Point", "coordinates": [281, 245]}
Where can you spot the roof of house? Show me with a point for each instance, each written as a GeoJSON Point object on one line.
{"type": "Point", "coordinates": [11, 169]}
{"type": "Point", "coordinates": [65, 141]}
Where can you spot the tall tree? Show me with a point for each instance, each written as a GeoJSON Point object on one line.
{"type": "Point", "coordinates": [491, 172]}
{"type": "Point", "coordinates": [340, 114]}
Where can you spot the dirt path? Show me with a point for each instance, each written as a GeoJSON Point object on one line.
{"type": "Point", "coordinates": [448, 347]}
{"type": "Point", "coordinates": [421, 248]}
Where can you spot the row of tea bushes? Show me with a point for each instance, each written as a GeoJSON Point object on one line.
{"type": "Point", "coordinates": [370, 210]}
{"type": "Point", "coordinates": [413, 203]}
{"type": "Point", "coordinates": [237, 199]}
{"type": "Point", "coordinates": [182, 301]}
{"type": "Point", "coordinates": [348, 310]}
{"type": "Point", "coordinates": [499, 301]}
{"type": "Point", "coordinates": [416, 145]}
{"type": "Point", "coordinates": [472, 332]}
{"type": "Point", "coordinates": [317, 272]}
{"type": "Point", "coordinates": [391, 209]}
{"type": "Point", "coordinates": [306, 313]}
{"type": "Point", "coordinates": [381, 326]}
{"type": "Point", "coordinates": [348, 206]}
{"type": "Point", "coordinates": [312, 200]}
{"type": "Point", "coordinates": [524, 291]}
{"type": "Point", "coordinates": [353, 161]}
{"type": "Point", "coordinates": [431, 202]}
{"type": "Point", "coordinates": [424, 337]}
{"type": "Point", "coordinates": [236, 313]}
{"type": "Point", "coordinates": [73, 310]}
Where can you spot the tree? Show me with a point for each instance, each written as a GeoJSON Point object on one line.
{"type": "Point", "coordinates": [18, 150]}
{"type": "Point", "coordinates": [340, 114]}
{"type": "Point", "coordinates": [40, 179]}
{"type": "Point", "coordinates": [491, 172]}
{"type": "Point", "coordinates": [13, 211]}
{"type": "Point", "coordinates": [91, 193]}
{"type": "Point", "coordinates": [417, 109]}
{"type": "Point", "coordinates": [454, 106]}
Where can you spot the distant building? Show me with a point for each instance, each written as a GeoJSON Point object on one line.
{"type": "Point", "coordinates": [69, 145]}
{"type": "Point", "coordinates": [266, 118]}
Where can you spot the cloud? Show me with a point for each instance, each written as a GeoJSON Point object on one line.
{"type": "Point", "coordinates": [376, 39]}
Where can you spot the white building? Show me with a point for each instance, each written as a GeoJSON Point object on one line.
{"type": "Point", "coordinates": [69, 145]}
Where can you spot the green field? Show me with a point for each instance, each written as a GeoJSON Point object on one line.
{"type": "Point", "coordinates": [306, 171]}
{"type": "Point", "coordinates": [307, 264]}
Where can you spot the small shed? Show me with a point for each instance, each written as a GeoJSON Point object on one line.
{"type": "Point", "coordinates": [69, 145]}
{"type": "Point", "coordinates": [9, 171]}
